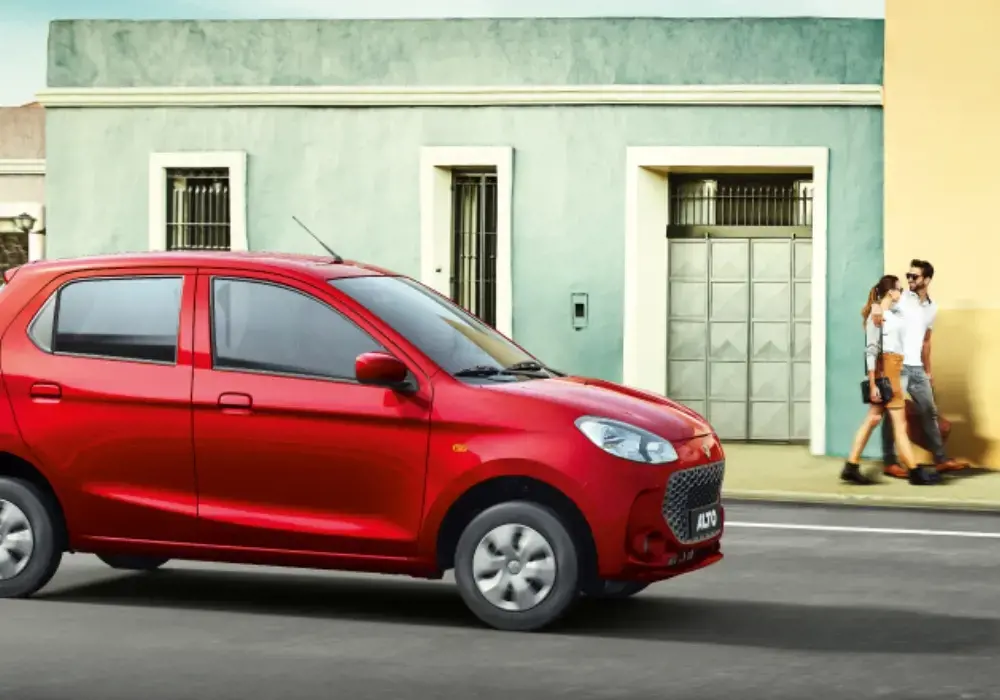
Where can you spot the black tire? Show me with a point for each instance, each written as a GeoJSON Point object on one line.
{"type": "Point", "coordinates": [127, 562]}
{"type": "Point", "coordinates": [46, 529]}
{"type": "Point", "coordinates": [563, 592]}
{"type": "Point", "coordinates": [615, 590]}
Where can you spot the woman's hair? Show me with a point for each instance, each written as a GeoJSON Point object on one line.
{"type": "Point", "coordinates": [878, 292]}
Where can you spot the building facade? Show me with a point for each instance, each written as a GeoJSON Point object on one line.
{"type": "Point", "coordinates": [22, 184]}
{"type": "Point", "coordinates": [941, 107]}
{"type": "Point", "coordinates": [693, 207]}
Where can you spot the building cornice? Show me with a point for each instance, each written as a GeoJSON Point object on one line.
{"type": "Point", "coordinates": [22, 166]}
{"type": "Point", "coordinates": [464, 96]}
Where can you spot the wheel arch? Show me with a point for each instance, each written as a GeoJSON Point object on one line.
{"type": "Point", "coordinates": [514, 487]}
{"type": "Point", "coordinates": [13, 466]}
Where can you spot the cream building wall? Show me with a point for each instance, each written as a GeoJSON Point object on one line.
{"type": "Point", "coordinates": [942, 115]}
{"type": "Point", "coordinates": [22, 180]}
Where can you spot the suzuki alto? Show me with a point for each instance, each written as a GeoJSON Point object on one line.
{"type": "Point", "coordinates": [300, 411]}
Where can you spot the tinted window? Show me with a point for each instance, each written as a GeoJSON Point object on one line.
{"type": "Point", "coordinates": [267, 328]}
{"type": "Point", "coordinates": [133, 318]}
{"type": "Point", "coordinates": [451, 337]}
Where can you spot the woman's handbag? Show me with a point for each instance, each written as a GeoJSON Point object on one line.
{"type": "Point", "coordinates": [882, 383]}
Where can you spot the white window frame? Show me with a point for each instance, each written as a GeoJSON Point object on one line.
{"type": "Point", "coordinates": [235, 161]}
{"type": "Point", "coordinates": [36, 236]}
{"type": "Point", "coordinates": [436, 231]}
{"type": "Point", "coordinates": [646, 249]}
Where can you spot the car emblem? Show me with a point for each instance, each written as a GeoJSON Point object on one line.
{"type": "Point", "coordinates": [707, 449]}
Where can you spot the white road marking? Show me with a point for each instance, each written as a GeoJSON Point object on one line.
{"type": "Point", "coordinates": [866, 530]}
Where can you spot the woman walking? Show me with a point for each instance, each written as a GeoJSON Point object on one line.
{"type": "Point", "coordinates": [884, 359]}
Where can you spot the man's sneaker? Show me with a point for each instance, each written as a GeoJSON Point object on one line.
{"type": "Point", "coordinates": [852, 474]}
{"type": "Point", "coordinates": [896, 471]}
{"type": "Point", "coordinates": [924, 476]}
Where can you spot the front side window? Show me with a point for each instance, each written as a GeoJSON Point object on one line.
{"type": "Point", "coordinates": [135, 318]}
{"type": "Point", "coordinates": [264, 327]}
{"type": "Point", "coordinates": [455, 340]}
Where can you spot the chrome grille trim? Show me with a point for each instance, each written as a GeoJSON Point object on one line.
{"type": "Point", "coordinates": [694, 487]}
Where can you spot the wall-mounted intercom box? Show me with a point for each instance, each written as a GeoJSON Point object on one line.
{"type": "Point", "coordinates": [580, 310]}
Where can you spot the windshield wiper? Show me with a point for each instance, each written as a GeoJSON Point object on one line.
{"type": "Point", "coordinates": [532, 366]}
{"type": "Point", "coordinates": [479, 371]}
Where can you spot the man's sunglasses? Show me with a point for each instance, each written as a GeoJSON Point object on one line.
{"type": "Point", "coordinates": [910, 276]}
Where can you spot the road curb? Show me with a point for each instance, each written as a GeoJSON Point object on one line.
{"type": "Point", "coordinates": [838, 499]}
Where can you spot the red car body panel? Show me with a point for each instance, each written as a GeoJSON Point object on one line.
{"type": "Point", "coordinates": [312, 465]}
{"type": "Point", "coordinates": [188, 461]}
{"type": "Point", "coordinates": [117, 438]}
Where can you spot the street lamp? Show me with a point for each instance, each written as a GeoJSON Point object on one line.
{"type": "Point", "coordinates": [24, 222]}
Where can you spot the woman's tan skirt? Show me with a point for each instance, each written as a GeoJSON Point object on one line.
{"type": "Point", "coordinates": [892, 369]}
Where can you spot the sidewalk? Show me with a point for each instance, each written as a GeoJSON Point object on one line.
{"type": "Point", "coordinates": [788, 473]}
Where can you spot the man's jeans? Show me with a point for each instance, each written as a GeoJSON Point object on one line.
{"type": "Point", "coordinates": [918, 385]}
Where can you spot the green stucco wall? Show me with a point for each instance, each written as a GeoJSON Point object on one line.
{"type": "Point", "coordinates": [465, 52]}
{"type": "Point", "coordinates": [352, 174]}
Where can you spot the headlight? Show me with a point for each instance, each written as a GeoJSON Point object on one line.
{"type": "Point", "coordinates": [626, 441]}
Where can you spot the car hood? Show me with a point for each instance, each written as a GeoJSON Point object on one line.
{"type": "Point", "coordinates": [597, 397]}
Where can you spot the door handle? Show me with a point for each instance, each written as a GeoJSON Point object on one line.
{"type": "Point", "coordinates": [46, 390]}
{"type": "Point", "coordinates": [234, 400]}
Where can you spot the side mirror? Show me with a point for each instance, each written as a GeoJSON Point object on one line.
{"type": "Point", "coordinates": [380, 369]}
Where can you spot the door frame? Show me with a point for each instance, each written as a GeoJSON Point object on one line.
{"type": "Point", "coordinates": [646, 285]}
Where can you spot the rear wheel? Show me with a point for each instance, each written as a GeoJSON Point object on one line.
{"type": "Point", "coordinates": [30, 543]}
{"type": "Point", "coordinates": [127, 562]}
{"type": "Point", "coordinates": [516, 566]}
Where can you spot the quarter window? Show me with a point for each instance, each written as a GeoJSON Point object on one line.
{"type": "Point", "coordinates": [264, 327]}
{"type": "Point", "coordinates": [41, 328]}
{"type": "Point", "coordinates": [123, 318]}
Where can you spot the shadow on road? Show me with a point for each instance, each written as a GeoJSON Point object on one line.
{"type": "Point", "coordinates": [735, 623]}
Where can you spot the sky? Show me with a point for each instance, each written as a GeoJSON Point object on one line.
{"type": "Point", "coordinates": [24, 23]}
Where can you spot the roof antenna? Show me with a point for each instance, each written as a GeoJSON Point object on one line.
{"type": "Point", "coordinates": [328, 249]}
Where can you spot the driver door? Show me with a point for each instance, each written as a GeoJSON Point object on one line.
{"type": "Point", "coordinates": [292, 452]}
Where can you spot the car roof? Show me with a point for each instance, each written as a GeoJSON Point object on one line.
{"type": "Point", "coordinates": [324, 267]}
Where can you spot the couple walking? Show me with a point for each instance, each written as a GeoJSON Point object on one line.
{"type": "Point", "coordinates": [898, 327]}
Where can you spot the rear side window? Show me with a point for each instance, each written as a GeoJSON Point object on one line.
{"type": "Point", "coordinates": [133, 318]}
{"type": "Point", "coordinates": [264, 327]}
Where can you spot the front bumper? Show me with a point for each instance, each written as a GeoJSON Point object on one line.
{"type": "Point", "coordinates": [660, 539]}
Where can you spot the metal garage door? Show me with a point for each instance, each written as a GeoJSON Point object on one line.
{"type": "Point", "coordinates": [739, 319]}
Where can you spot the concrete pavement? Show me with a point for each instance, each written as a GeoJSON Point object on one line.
{"type": "Point", "coordinates": [788, 473]}
{"type": "Point", "coordinates": [872, 611]}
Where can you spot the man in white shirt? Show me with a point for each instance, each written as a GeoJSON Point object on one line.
{"type": "Point", "coordinates": [919, 312]}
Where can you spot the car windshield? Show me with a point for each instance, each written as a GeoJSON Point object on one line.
{"type": "Point", "coordinates": [457, 341]}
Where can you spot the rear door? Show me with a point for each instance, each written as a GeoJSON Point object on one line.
{"type": "Point", "coordinates": [98, 369]}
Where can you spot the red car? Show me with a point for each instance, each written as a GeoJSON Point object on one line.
{"type": "Point", "coordinates": [304, 411]}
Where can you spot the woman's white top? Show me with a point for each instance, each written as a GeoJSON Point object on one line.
{"type": "Point", "coordinates": [892, 332]}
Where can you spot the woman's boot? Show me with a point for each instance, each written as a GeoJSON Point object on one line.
{"type": "Point", "coordinates": [852, 474]}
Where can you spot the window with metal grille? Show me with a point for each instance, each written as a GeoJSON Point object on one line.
{"type": "Point", "coordinates": [741, 201]}
{"type": "Point", "coordinates": [198, 209]}
{"type": "Point", "coordinates": [474, 266]}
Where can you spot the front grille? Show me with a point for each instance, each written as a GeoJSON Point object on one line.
{"type": "Point", "coordinates": [691, 488]}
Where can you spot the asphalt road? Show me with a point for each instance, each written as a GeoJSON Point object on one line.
{"type": "Point", "coordinates": [790, 613]}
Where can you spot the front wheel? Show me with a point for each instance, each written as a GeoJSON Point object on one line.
{"type": "Point", "coordinates": [127, 562]}
{"type": "Point", "coordinates": [516, 567]}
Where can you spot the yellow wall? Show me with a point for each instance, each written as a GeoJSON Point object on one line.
{"type": "Point", "coordinates": [942, 196]}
